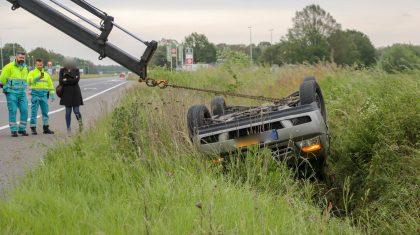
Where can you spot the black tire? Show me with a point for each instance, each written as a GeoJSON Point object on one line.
{"type": "Point", "coordinates": [218, 106]}
{"type": "Point", "coordinates": [310, 92]}
{"type": "Point", "coordinates": [309, 78]}
{"type": "Point", "coordinates": [196, 117]}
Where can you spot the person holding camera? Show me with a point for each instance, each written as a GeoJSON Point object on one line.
{"type": "Point", "coordinates": [71, 95]}
{"type": "Point", "coordinates": [42, 88]}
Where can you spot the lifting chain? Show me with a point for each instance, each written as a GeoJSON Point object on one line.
{"type": "Point", "coordinates": [164, 84]}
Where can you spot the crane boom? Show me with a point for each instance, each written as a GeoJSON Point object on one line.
{"type": "Point", "coordinates": [96, 42]}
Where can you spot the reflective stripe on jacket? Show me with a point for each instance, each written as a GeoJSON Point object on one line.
{"type": "Point", "coordinates": [37, 84]}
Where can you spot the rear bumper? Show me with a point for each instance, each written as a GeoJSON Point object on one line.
{"type": "Point", "coordinates": [289, 127]}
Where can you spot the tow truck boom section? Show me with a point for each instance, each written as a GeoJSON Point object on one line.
{"type": "Point", "coordinates": [97, 42]}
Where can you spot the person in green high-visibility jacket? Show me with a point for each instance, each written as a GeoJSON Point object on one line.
{"type": "Point", "coordinates": [41, 87]}
{"type": "Point", "coordinates": [14, 81]}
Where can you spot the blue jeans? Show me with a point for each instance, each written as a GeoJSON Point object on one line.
{"type": "Point", "coordinates": [76, 113]}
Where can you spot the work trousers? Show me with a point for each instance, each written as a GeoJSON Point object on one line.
{"type": "Point", "coordinates": [15, 101]}
{"type": "Point", "coordinates": [39, 101]}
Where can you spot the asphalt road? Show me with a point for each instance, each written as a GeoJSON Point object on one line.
{"type": "Point", "coordinates": [17, 155]}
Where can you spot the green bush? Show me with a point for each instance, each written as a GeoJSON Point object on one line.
{"type": "Point", "coordinates": [352, 47]}
{"type": "Point", "coordinates": [400, 58]}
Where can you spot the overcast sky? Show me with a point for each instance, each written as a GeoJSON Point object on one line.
{"type": "Point", "coordinates": [384, 21]}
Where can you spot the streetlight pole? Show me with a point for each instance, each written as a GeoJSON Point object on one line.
{"type": "Point", "coordinates": [271, 36]}
{"type": "Point", "coordinates": [250, 42]}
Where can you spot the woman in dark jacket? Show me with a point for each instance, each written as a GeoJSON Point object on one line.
{"type": "Point", "coordinates": [71, 97]}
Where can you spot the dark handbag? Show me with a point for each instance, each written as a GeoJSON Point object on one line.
{"type": "Point", "coordinates": [59, 90]}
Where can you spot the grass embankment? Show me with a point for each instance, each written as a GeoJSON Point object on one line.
{"type": "Point", "coordinates": [137, 172]}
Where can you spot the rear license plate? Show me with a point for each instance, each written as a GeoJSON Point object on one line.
{"type": "Point", "coordinates": [268, 137]}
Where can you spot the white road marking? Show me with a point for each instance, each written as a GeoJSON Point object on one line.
{"type": "Point", "coordinates": [93, 83]}
{"type": "Point", "coordinates": [61, 109]}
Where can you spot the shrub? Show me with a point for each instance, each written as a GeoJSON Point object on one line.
{"type": "Point", "coordinates": [400, 57]}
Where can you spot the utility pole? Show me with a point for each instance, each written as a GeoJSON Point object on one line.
{"type": "Point", "coordinates": [250, 42]}
{"type": "Point", "coordinates": [271, 36]}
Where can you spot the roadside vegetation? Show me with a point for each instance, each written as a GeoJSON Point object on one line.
{"type": "Point", "coordinates": [136, 172]}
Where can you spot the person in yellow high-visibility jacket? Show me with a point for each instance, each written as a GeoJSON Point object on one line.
{"type": "Point", "coordinates": [41, 87]}
{"type": "Point", "coordinates": [14, 81]}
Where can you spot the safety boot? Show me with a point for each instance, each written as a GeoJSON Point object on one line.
{"type": "Point", "coordinates": [47, 130]}
{"type": "Point", "coordinates": [33, 129]}
{"type": "Point", "coordinates": [23, 133]}
{"type": "Point", "coordinates": [14, 134]}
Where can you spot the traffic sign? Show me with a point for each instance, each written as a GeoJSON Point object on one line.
{"type": "Point", "coordinates": [189, 56]}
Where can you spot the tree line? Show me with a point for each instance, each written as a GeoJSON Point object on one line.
{"type": "Point", "coordinates": [314, 37]}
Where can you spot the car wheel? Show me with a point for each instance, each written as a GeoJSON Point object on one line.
{"type": "Point", "coordinates": [197, 116]}
{"type": "Point", "coordinates": [310, 92]}
{"type": "Point", "coordinates": [309, 78]}
{"type": "Point", "coordinates": [218, 106]}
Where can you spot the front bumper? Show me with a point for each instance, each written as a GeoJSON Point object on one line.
{"type": "Point", "coordinates": [280, 130]}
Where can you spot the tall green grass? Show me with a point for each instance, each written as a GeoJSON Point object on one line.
{"type": "Point", "coordinates": [375, 127]}
{"type": "Point", "coordinates": [137, 172]}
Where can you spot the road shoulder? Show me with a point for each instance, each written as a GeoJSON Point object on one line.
{"type": "Point", "coordinates": [19, 155]}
